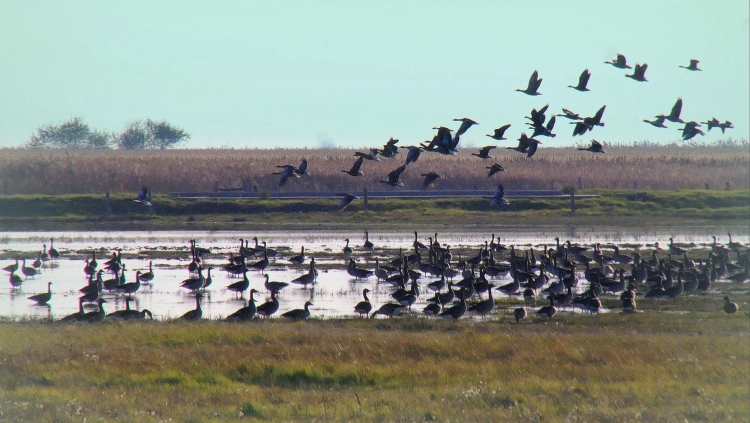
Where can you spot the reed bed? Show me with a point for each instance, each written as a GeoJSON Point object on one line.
{"type": "Point", "coordinates": [616, 367]}
{"type": "Point", "coordinates": [654, 167]}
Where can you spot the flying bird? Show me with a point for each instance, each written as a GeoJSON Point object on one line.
{"type": "Point", "coordinates": [693, 66]}
{"type": "Point", "coordinates": [389, 148]}
{"type": "Point", "coordinates": [620, 62]}
{"type": "Point", "coordinates": [429, 178]}
{"type": "Point", "coordinates": [144, 197]}
{"type": "Point", "coordinates": [499, 197]}
{"type": "Point", "coordinates": [726, 125]}
{"type": "Point", "coordinates": [393, 177]}
{"type": "Point", "coordinates": [545, 130]}
{"type": "Point", "coordinates": [499, 133]}
{"type": "Point", "coordinates": [484, 152]}
{"type": "Point", "coordinates": [537, 117]}
{"type": "Point", "coordinates": [658, 122]}
{"type": "Point", "coordinates": [443, 142]}
{"type": "Point", "coordinates": [674, 115]}
{"type": "Point", "coordinates": [413, 154]}
{"type": "Point", "coordinates": [466, 123]}
{"type": "Point", "coordinates": [713, 123]}
{"type": "Point", "coordinates": [526, 145]}
{"type": "Point", "coordinates": [595, 147]}
{"type": "Point", "coordinates": [588, 123]}
{"type": "Point", "coordinates": [346, 200]}
{"type": "Point", "coordinates": [691, 130]}
{"type": "Point", "coordinates": [371, 155]}
{"type": "Point", "coordinates": [569, 114]}
{"type": "Point", "coordinates": [286, 172]}
{"type": "Point", "coordinates": [583, 80]}
{"type": "Point", "coordinates": [639, 73]}
{"type": "Point", "coordinates": [534, 83]}
{"type": "Point", "coordinates": [494, 169]}
{"type": "Point", "coordinates": [355, 170]}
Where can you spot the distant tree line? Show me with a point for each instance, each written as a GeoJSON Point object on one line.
{"type": "Point", "coordinates": [138, 135]}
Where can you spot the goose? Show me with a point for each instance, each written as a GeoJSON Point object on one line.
{"type": "Point", "coordinates": [730, 307]}
{"type": "Point", "coordinates": [658, 122]}
{"type": "Point", "coordinates": [75, 317]}
{"type": "Point", "coordinates": [393, 177]}
{"type": "Point", "coordinates": [43, 298]}
{"type": "Point", "coordinates": [43, 255]}
{"type": "Point", "coordinates": [413, 154]}
{"type": "Point", "coordinates": [583, 80]}
{"type": "Point", "coordinates": [147, 277]}
{"type": "Point", "coordinates": [547, 311]}
{"type": "Point", "coordinates": [28, 272]}
{"type": "Point", "coordinates": [674, 115]}
{"type": "Point", "coordinates": [429, 179]}
{"type": "Point", "coordinates": [244, 313]}
{"type": "Point", "coordinates": [261, 264]}
{"type": "Point", "coordinates": [274, 286]}
{"type": "Point", "coordinates": [196, 313]}
{"type": "Point", "coordinates": [53, 253]}
{"type": "Point", "coordinates": [308, 277]}
{"type": "Point", "coordinates": [370, 155]}
{"type": "Point", "coordinates": [533, 87]}
{"type": "Point", "coordinates": [495, 168]}
{"type": "Point", "coordinates": [97, 315]}
{"type": "Point", "coordinates": [569, 115]}
{"type": "Point", "coordinates": [347, 250]}
{"type": "Point", "coordinates": [11, 267]}
{"type": "Point", "coordinates": [299, 314]}
{"type": "Point", "coordinates": [484, 307]}
{"type": "Point", "coordinates": [240, 287]}
{"type": "Point", "coordinates": [390, 149]}
{"type": "Point", "coordinates": [595, 147]}
{"type": "Point", "coordinates": [363, 307]}
{"type": "Point", "coordinates": [675, 290]}
{"type": "Point", "coordinates": [209, 280]}
{"type": "Point", "coordinates": [432, 309]}
{"type": "Point", "coordinates": [193, 284]}
{"type": "Point", "coordinates": [443, 298]}
{"type": "Point", "coordinates": [380, 272]}
{"type": "Point", "coordinates": [693, 66]}
{"type": "Point", "coordinates": [511, 288]}
{"type": "Point", "coordinates": [143, 197]}
{"type": "Point", "coordinates": [93, 263]}
{"type": "Point", "coordinates": [726, 125]}
{"type": "Point", "coordinates": [466, 123]}
{"type": "Point", "coordinates": [593, 305]}
{"type": "Point", "coordinates": [545, 130]}
{"type": "Point", "coordinates": [526, 145]}
{"type": "Point", "coordinates": [589, 123]}
{"type": "Point", "coordinates": [132, 287]}
{"type": "Point", "coordinates": [269, 307]}
{"type": "Point", "coordinates": [499, 133]}
{"type": "Point", "coordinates": [129, 314]}
{"type": "Point", "coordinates": [346, 199]}
{"type": "Point", "coordinates": [519, 314]}
{"type": "Point", "coordinates": [286, 172]}
{"type": "Point", "coordinates": [300, 258]}
{"type": "Point", "coordinates": [639, 73]}
{"type": "Point", "coordinates": [734, 245]}
{"type": "Point", "coordinates": [389, 309]}
{"type": "Point", "coordinates": [456, 311]}
{"type": "Point", "coordinates": [619, 62]}
{"type": "Point", "coordinates": [484, 152]}
{"type": "Point", "coordinates": [711, 124]}
{"type": "Point", "coordinates": [356, 272]}
{"type": "Point", "coordinates": [355, 169]}
{"type": "Point", "coordinates": [437, 285]}
{"type": "Point", "coordinates": [15, 280]}
{"type": "Point", "coordinates": [442, 142]}
{"type": "Point", "coordinates": [675, 250]}
{"type": "Point", "coordinates": [264, 248]}
{"type": "Point", "coordinates": [741, 276]}
{"type": "Point", "coordinates": [368, 245]}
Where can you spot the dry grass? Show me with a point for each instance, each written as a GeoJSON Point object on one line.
{"type": "Point", "coordinates": [652, 167]}
{"type": "Point", "coordinates": [619, 368]}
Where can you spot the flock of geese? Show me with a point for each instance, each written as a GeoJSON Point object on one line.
{"type": "Point", "coordinates": [445, 141]}
{"type": "Point", "coordinates": [453, 286]}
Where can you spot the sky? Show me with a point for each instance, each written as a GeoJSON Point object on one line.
{"type": "Point", "coordinates": [260, 74]}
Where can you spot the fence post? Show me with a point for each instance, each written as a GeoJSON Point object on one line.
{"type": "Point", "coordinates": [572, 200]}
{"type": "Point", "coordinates": [364, 194]}
{"type": "Point", "coordinates": [107, 205]}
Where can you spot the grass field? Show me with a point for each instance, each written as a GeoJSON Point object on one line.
{"type": "Point", "coordinates": [613, 367]}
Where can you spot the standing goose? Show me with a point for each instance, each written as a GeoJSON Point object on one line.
{"type": "Point", "coordinates": [269, 307]}
{"type": "Point", "coordinates": [730, 307]}
{"type": "Point", "coordinates": [308, 277]}
{"type": "Point", "coordinates": [299, 314]}
{"type": "Point", "coordinates": [639, 73]}
{"type": "Point", "coordinates": [519, 314]}
{"type": "Point", "coordinates": [275, 287]}
{"type": "Point", "coordinates": [583, 80]}
{"type": "Point", "coordinates": [357, 272]}
{"type": "Point", "coordinates": [97, 315]}
{"type": "Point", "coordinates": [547, 311]}
{"type": "Point", "coordinates": [11, 267]}
{"type": "Point", "coordinates": [693, 66]}
{"type": "Point", "coordinates": [29, 272]}
{"type": "Point", "coordinates": [347, 250]}
{"type": "Point", "coordinates": [619, 62]}
{"type": "Point", "coordinates": [148, 276]}
{"type": "Point", "coordinates": [196, 313]}
{"type": "Point", "coordinates": [53, 253]}
{"type": "Point", "coordinates": [132, 287]}
{"type": "Point", "coordinates": [75, 317]}
{"type": "Point", "coordinates": [363, 307]}
{"type": "Point", "coordinates": [41, 299]}
{"type": "Point", "coordinates": [389, 309]}
{"type": "Point", "coordinates": [499, 133]}
{"type": "Point", "coordinates": [263, 263]}
{"type": "Point", "coordinates": [299, 259]}
{"type": "Point", "coordinates": [533, 87]}
{"type": "Point", "coordinates": [455, 312]}
{"type": "Point", "coordinates": [484, 307]}
{"type": "Point", "coordinates": [240, 287]}
{"type": "Point", "coordinates": [245, 313]}
{"type": "Point", "coordinates": [368, 245]}
{"type": "Point", "coordinates": [15, 280]}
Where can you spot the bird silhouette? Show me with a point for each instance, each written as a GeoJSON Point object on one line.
{"type": "Point", "coordinates": [674, 115]}
{"type": "Point", "coordinates": [466, 123]}
{"type": "Point", "coordinates": [526, 145]}
{"type": "Point", "coordinates": [144, 197]}
{"type": "Point", "coordinates": [355, 170]}
{"type": "Point", "coordinates": [499, 198]}
{"type": "Point", "coordinates": [429, 178]}
{"type": "Point", "coordinates": [619, 62]}
{"type": "Point", "coordinates": [499, 133]}
{"type": "Point", "coordinates": [370, 155]}
{"type": "Point", "coordinates": [693, 66]}
{"type": "Point", "coordinates": [413, 154]}
{"type": "Point", "coordinates": [639, 73]}
{"type": "Point", "coordinates": [533, 87]}
{"type": "Point", "coordinates": [494, 169]}
{"type": "Point", "coordinates": [346, 199]}
{"type": "Point", "coordinates": [443, 142]}
{"type": "Point", "coordinates": [484, 152]}
{"type": "Point", "coordinates": [393, 177]}
{"type": "Point", "coordinates": [658, 122]}
{"type": "Point", "coordinates": [389, 149]}
{"type": "Point", "coordinates": [691, 130]}
{"type": "Point", "coordinates": [569, 114]}
{"type": "Point", "coordinates": [545, 130]}
{"type": "Point", "coordinates": [588, 123]}
{"type": "Point", "coordinates": [595, 147]}
{"type": "Point", "coordinates": [583, 81]}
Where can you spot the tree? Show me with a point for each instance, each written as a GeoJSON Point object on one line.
{"type": "Point", "coordinates": [134, 137]}
{"type": "Point", "coordinates": [164, 135]}
{"type": "Point", "coordinates": [72, 134]}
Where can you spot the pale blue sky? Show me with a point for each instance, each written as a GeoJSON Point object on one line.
{"type": "Point", "coordinates": [294, 74]}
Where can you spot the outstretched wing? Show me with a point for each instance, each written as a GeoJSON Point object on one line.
{"type": "Point", "coordinates": [677, 108]}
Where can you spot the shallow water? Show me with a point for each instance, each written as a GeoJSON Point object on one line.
{"type": "Point", "coordinates": [334, 294]}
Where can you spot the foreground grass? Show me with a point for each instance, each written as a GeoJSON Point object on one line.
{"type": "Point", "coordinates": [613, 367]}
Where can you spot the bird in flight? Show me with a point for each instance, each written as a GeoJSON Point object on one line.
{"type": "Point", "coordinates": [429, 178]}
{"type": "Point", "coordinates": [639, 73]}
{"type": "Point", "coordinates": [595, 147]}
{"type": "Point", "coordinates": [674, 115]}
{"type": "Point", "coordinates": [693, 66]}
{"type": "Point", "coordinates": [346, 200]}
{"type": "Point", "coordinates": [499, 133]}
{"type": "Point", "coordinates": [583, 81]}
{"type": "Point", "coordinates": [494, 169]}
{"type": "Point", "coordinates": [355, 170]}
{"type": "Point", "coordinates": [620, 62]}
{"type": "Point", "coordinates": [484, 152]}
{"type": "Point", "coordinates": [144, 197]}
{"type": "Point", "coordinates": [393, 177]}
{"type": "Point", "coordinates": [533, 87]}
{"type": "Point", "coordinates": [466, 123]}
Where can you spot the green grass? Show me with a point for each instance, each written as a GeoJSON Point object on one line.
{"type": "Point", "coordinates": [613, 367]}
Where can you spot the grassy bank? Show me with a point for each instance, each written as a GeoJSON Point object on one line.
{"type": "Point", "coordinates": [614, 367]}
{"type": "Point", "coordinates": [90, 211]}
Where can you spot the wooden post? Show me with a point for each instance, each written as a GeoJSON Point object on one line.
{"type": "Point", "coordinates": [572, 200]}
{"type": "Point", "coordinates": [107, 205]}
{"type": "Point", "coordinates": [364, 194]}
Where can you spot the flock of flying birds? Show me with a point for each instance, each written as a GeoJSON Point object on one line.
{"type": "Point", "coordinates": [446, 142]}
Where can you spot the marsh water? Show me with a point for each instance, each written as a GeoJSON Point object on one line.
{"type": "Point", "coordinates": [333, 295]}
